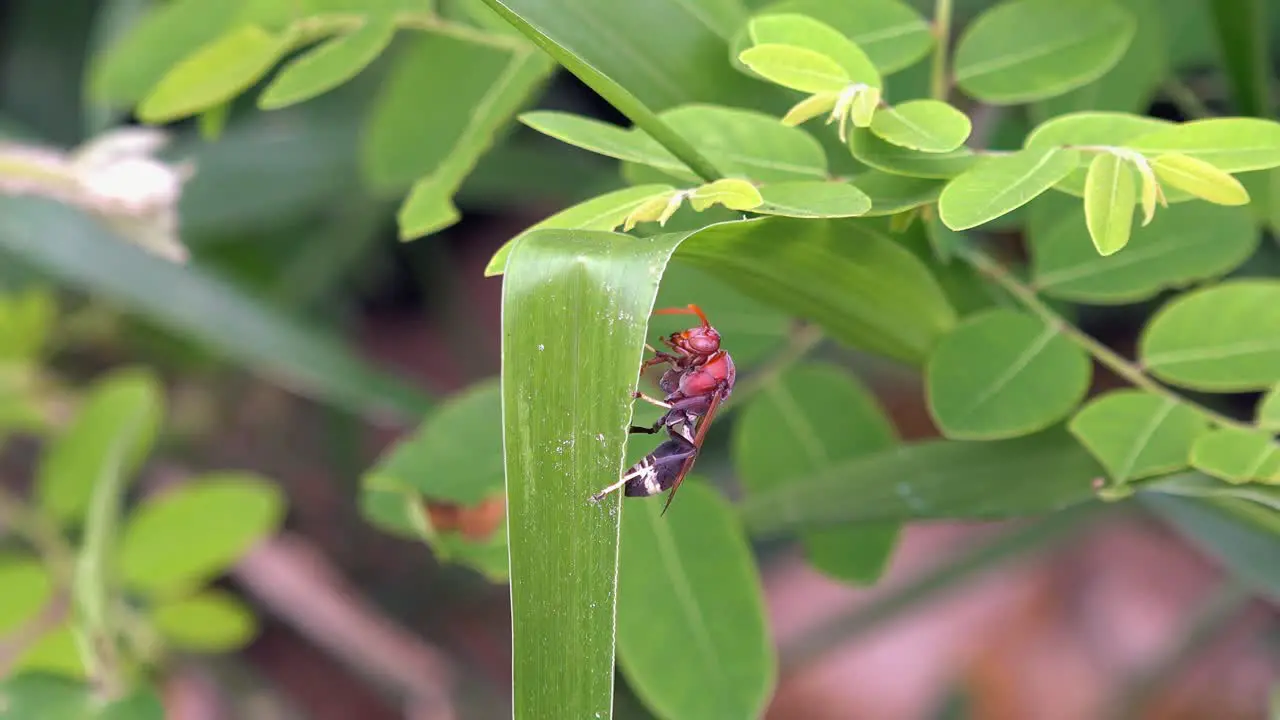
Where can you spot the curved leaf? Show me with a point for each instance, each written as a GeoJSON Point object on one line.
{"type": "Point", "coordinates": [795, 67]}
{"type": "Point", "coordinates": [749, 144]}
{"type": "Point", "coordinates": [1136, 434]}
{"type": "Point", "coordinates": [892, 194]}
{"type": "Point", "coordinates": [1237, 455]}
{"type": "Point", "coordinates": [997, 186]}
{"type": "Point", "coordinates": [1090, 128]}
{"type": "Point", "coordinates": [1110, 194]}
{"type": "Point", "coordinates": [214, 73]}
{"type": "Point", "coordinates": [1200, 179]}
{"type": "Point", "coordinates": [1033, 49]}
{"type": "Point", "coordinates": [813, 200]}
{"type": "Point", "coordinates": [1219, 339]}
{"type": "Point", "coordinates": [27, 588]}
{"type": "Point", "coordinates": [330, 64]}
{"type": "Point", "coordinates": [891, 33]}
{"type": "Point", "coordinates": [980, 377]}
{"type": "Point", "coordinates": [709, 654]}
{"type": "Point", "coordinates": [210, 621]}
{"type": "Point", "coordinates": [1230, 144]}
{"type": "Point", "coordinates": [812, 34]}
{"type": "Point", "coordinates": [869, 148]}
{"type": "Point", "coordinates": [603, 138]}
{"type": "Point", "coordinates": [937, 479]}
{"type": "Point", "coordinates": [925, 125]}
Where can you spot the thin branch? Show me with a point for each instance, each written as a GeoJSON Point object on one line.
{"type": "Point", "coordinates": [940, 80]}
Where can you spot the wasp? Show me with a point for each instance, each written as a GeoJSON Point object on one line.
{"type": "Point", "coordinates": [700, 376]}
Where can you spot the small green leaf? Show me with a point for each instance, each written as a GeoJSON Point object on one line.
{"type": "Point", "coordinates": [925, 125]}
{"type": "Point", "coordinates": [330, 64]}
{"type": "Point", "coordinates": [1221, 338]}
{"type": "Point", "coordinates": [27, 588]}
{"type": "Point", "coordinates": [804, 421]}
{"type": "Point", "coordinates": [1199, 485]}
{"type": "Point", "coordinates": [797, 68]}
{"type": "Point", "coordinates": [1136, 434]}
{"type": "Point", "coordinates": [748, 144]}
{"type": "Point", "coordinates": [187, 536]}
{"type": "Point", "coordinates": [37, 696]}
{"type": "Point", "coordinates": [1109, 198]}
{"type": "Point", "coordinates": [69, 466]}
{"type": "Point", "coordinates": [997, 186]}
{"type": "Point", "coordinates": [602, 138]}
{"type": "Point", "coordinates": [891, 33]}
{"type": "Point", "coordinates": [862, 110]}
{"type": "Point", "coordinates": [980, 376]}
{"type": "Point", "coordinates": [26, 320]}
{"type": "Point", "coordinates": [710, 656]}
{"type": "Point", "coordinates": [1098, 129]}
{"type": "Point", "coordinates": [56, 652]}
{"type": "Point", "coordinates": [1237, 455]}
{"type": "Point", "coordinates": [892, 194]}
{"type": "Point", "coordinates": [602, 212]}
{"type": "Point", "coordinates": [1269, 410]}
{"type": "Point", "coordinates": [1185, 243]}
{"type": "Point", "coordinates": [870, 149]}
{"type": "Point", "coordinates": [213, 621]}
{"type": "Point", "coordinates": [813, 199]}
{"type": "Point", "coordinates": [810, 108]}
{"type": "Point", "coordinates": [732, 193]}
{"type": "Point", "coordinates": [1200, 179]}
{"type": "Point", "coordinates": [214, 73]}
{"type": "Point", "coordinates": [1230, 144]}
{"type": "Point", "coordinates": [936, 479]}
{"type": "Point", "coordinates": [1026, 50]}
{"type": "Point", "coordinates": [806, 32]}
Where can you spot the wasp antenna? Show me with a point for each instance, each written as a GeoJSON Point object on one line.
{"type": "Point", "coordinates": [690, 309]}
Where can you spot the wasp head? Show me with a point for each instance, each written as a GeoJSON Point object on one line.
{"type": "Point", "coordinates": [699, 341]}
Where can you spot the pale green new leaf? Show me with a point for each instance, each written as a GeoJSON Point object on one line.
{"type": "Point", "coordinates": [1221, 338]}
{"type": "Point", "coordinates": [1238, 455]}
{"type": "Point", "coordinates": [1101, 129]}
{"type": "Point", "coordinates": [330, 64]}
{"type": "Point", "coordinates": [1230, 144]}
{"type": "Point", "coordinates": [806, 32]}
{"type": "Point", "coordinates": [891, 33]}
{"type": "Point", "coordinates": [1025, 50]}
{"type": "Point", "coordinates": [999, 185]}
{"type": "Point", "coordinates": [797, 68]}
{"type": "Point", "coordinates": [980, 376]}
{"type": "Point", "coordinates": [1136, 434]}
{"type": "Point", "coordinates": [1200, 179]}
{"type": "Point", "coordinates": [1109, 198]}
{"type": "Point", "coordinates": [926, 125]}
{"type": "Point", "coordinates": [732, 193]}
{"type": "Point", "coordinates": [813, 199]}
{"type": "Point", "coordinates": [213, 74]}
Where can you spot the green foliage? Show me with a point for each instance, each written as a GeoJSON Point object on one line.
{"type": "Point", "coordinates": [1136, 434]}
{"type": "Point", "coordinates": [209, 621]}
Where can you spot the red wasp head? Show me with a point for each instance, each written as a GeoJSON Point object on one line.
{"type": "Point", "coordinates": [699, 342]}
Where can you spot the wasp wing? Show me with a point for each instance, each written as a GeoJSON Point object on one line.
{"type": "Point", "coordinates": [716, 397]}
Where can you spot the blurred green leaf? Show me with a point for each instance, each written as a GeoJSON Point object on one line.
{"type": "Point", "coordinates": [45, 697]}
{"type": "Point", "coordinates": [1090, 128]}
{"type": "Point", "coordinates": [802, 422]}
{"type": "Point", "coordinates": [1220, 338]}
{"type": "Point", "coordinates": [731, 193]}
{"type": "Point", "coordinates": [1136, 434]}
{"type": "Point", "coordinates": [1183, 244]}
{"type": "Point", "coordinates": [891, 194]}
{"type": "Point", "coordinates": [875, 152]}
{"type": "Point", "coordinates": [78, 251]}
{"type": "Point", "coordinates": [813, 199]}
{"type": "Point", "coordinates": [1240, 535]}
{"type": "Point", "coordinates": [133, 65]}
{"type": "Point", "coordinates": [1034, 49]}
{"type": "Point", "coordinates": [891, 33]}
{"type": "Point", "coordinates": [190, 534]}
{"type": "Point", "coordinates": [214, 73]}
{"type": "Point", "coordinates": [71, 465]}
{"type": "Point", "coordinates": [1242, 31]}
{"type": "Point", "coordinates": [330, 64]}
{"type": "Point", "coordinates": [56, 653]}
{"type": "Point", "coordinates": [604, 138]}
{"type": "Point", "coordinates": [212, 621]}
{"type": "Point", "coordinates": [26, 321]}
{"type": "Point", "coordinates": [27, 588]}
{"type": "Point", "coordinates": [797, 68]}
{"type": "Point", "coordinates": [1237, 455]}
{"type": "Point", "coordinates": [981, 375]}
{"type": "Point", "coordinates": [1229, 144]}
{"type": "Point", "coordinates": [803, 31]}
{"type": "Point", "coordinates": [997, 186]}
{"type": "Point", "coordinates": [933, 480]}
{"type": "Point", "coordinates": [1200, 179]}
{"type": "Point", "coordinates": [924, 125]}
{"type": "Point", "coordinates": [692, 631]}
{"type": "Point", "coordinates": [1269, 409]}
{"type": "Point", "coordinates": [1198, 485]}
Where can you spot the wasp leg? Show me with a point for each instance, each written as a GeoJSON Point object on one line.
{"type": "Point", "coordinates": [636, 429]}
{"type": "Point", "coordinates": [655, 472]}
{"type": "Point", "coordinates": [660, 403]}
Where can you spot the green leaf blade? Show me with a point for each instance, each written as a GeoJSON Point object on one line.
{"type": "Point", "coordinates": [796, 68]}
{"type": "Point", "coordinates": [1136, 434]}
{"type": "Point", "coordinates": [1230, 144]}
{"type": "Point", "coordinates": [1110, 195]}
{"type": "Point", "coordinates": [1200, 178]}
{"type": "Point", "coordinates": [212, 621]}
{"type": "Point", "coordinates": [997, 186]}
{"type": "Point", "coordinates": [214, 73]}
{"type": "Point", "coordinates": [813, 199]}
{"type": "Point", "coordinates": [892, 34]}
{"type": "Point", "coordinates": [1237, 455]}
{"type": "Point", "coordinates": [330, 64]}
{"type": "Point", "coordinates": [806, 32]}
{"type": "Point", "coordinates": [925, 125]}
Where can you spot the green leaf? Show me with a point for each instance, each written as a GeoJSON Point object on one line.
{"type": "Point", "coordinates": [980, 377]}
{"type": "Point", "coordinates": [732, 193]}
{"type": "Point", "coordinates": [871, 150]}
{"type": "Point", "coordinates": [926, 125]}
{"type": "Point", "coordinates": [1198, 485]}
{"type": "Point", "coordinates": [26, 320]}
{"type": "Point", "coordinates": [70, 465]}
{"type": "Point", "coordinates": [188, 535]}
{"type": "Point", "coordinates": [1230, 144]}
{"type": "Point", "coordinates": [27, 588]}
{"type": "Point", "coordinates": [802, 31]}
{"type": "Point", "coordinates": [860, 286]}
{"type": "Point", "coordinates": [330, 64]}
{"type": "Point", "coordinates": [1111, 129]}
{"type": "Point", "coordinates": [692, 635]}
{"type": "Point", "coordinates": [214, 73]}
{"type": "Point", "coordinates": [56, 652]}
{"type": "Point", "coordinates": [1185, 243]}
{"type": "Point", "coordinates": [1136, 434]}
{"type": "Point", "coordinates": [1244, 538]}
{"type": "Point", "coordinates": [196, 304]}
{"type": "Point", "coordinates": [164, 36]}
{"type": "Point", "coordinates": [797, 68]}
{"type": "Point", "coordinates": [891, 33]}
{"type": "Point", "coordinates": [1242, 29]}
{"type": "Point", "coordinates": [1027, 50]}
{"type": "Point", "coordinates": [936, 479]}
{"type": "Point", "coordinates": [999, 185]}
{"type": "Point", "coordinates": [749, 144]}
{"type": "Point", "coordinates": [1269, 410]}
{"type": "Point", "coordinates": [1110, 194]}
{"type": "Point", "coordinates": [813, 199]}
{"type": "Point", "coordinates": [603, 138]}
{"type": "Point", "coordinates": [892, 194]}
{"type": "Point", "coordinates": [38, 696]}
{"type": "Point", "coordinates": [1200, 179]}
{"type": "Point", "coordinates": [632, 65]}
{"type": "Point", "coordinates": [1237, 455]}
{"type": "Point", "coordinates": [1222, 338]}
{"type": "Point", "coordinates": [213, 621]}
{"type": "Point", "coordinates": [437, 150]}
{"type": "Point", "coordinates": [802, 422]}
{"type": "Point", "coordinates": [566, 406]}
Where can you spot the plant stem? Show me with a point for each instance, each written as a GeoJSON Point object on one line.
{"type": "Point", "coordinates": [1105, 355]}
{"type": "Point", "coordinates": [1186, 99]}
{"type": "Point", "coordinates": [940, 80]}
